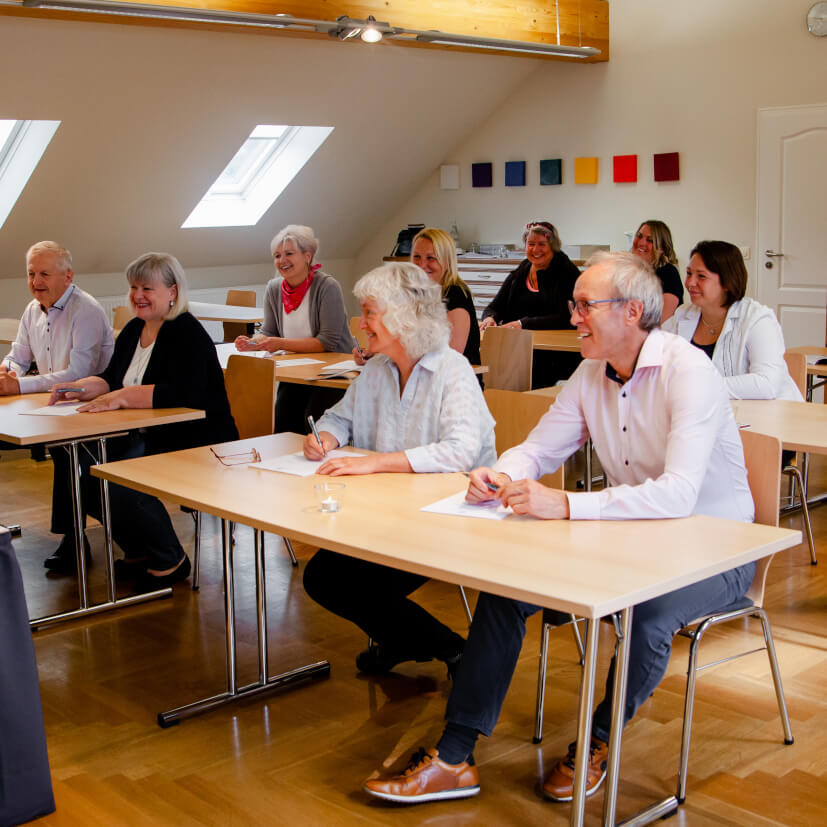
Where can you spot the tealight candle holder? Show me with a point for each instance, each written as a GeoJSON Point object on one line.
{"type": "Point", "coordinates": [329, 496]}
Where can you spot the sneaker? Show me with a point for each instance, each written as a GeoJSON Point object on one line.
{"type": "Point", "coordinates": [426, 778]}
{"type": "Point", "coordinates": [559, 784]}
{"type": "Point", "coordinates": [379, 660]}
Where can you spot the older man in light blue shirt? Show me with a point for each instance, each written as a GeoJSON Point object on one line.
{"type": "Point", "coordinates": [65, 332]}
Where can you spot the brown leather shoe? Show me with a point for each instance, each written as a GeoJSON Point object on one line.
{"type": "Point", "coordinates": [426, 778]}
{"type": "Point", "coordinates": [559, 783]}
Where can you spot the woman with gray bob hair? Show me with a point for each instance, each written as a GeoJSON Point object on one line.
{"type": "Point", "coordinates": [166, 270]}
{"type": "Point", "coordinates": [418, 406]}
{"type": "Point", "coordinates": [634, 278]}
{"type": "Point", "coordinates": [301, 235]}
{"type": "Point", "coordinates": [412, 306]}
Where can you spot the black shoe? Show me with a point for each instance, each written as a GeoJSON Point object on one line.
{"type": "Point", "coordinates": [147, 582]}
{"type": "Point", "coordinates": [379, 660]}
{"type": "Point", "coordinates": [64, 560]}
{"type": "Point", "coordinates": [126, 569]}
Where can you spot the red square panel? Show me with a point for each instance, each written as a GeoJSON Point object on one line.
{"type": "Point", "coordinates": [625, 169]}
{"type": "Point", "coordinates": [667, 167]}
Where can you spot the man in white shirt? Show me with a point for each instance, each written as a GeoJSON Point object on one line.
{"type": "Point", "coordinates": [659, 417]}
{"type": "Point", "coordinates": [66, 333]}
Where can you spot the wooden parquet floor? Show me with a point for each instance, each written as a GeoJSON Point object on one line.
{"type": "Point", "coordinates": [300, 757]}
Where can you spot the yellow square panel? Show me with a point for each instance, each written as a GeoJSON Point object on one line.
{"type": "Point", "coordinates": [585, 170]}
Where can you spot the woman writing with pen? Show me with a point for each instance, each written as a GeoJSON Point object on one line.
{"type": "Point", "coordinates": [535, 296]}
{"type": "Point", "coordinates": [418, 405]}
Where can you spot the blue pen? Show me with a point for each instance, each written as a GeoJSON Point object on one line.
{"type": "Point", "coordinates": [489, 485]}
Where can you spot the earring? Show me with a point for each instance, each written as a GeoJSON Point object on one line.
{"type": "Point", "coordinates": [171, 304]}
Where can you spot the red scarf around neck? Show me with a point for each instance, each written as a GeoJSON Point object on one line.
{"type": "Point", "coordinates": [291, 297]}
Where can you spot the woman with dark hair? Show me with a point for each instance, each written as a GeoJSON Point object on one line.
{"type": "Point", "coordinates": [535, 296]}
{"type": "Point", "coordinates": [741, 336]}
{"type": "Point", "coordinates": [653, 243]}
{"type": "Point", "coordinates": [163, 358]}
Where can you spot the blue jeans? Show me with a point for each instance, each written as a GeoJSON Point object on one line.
{"type": "Point", "coordinates": [498, 629]}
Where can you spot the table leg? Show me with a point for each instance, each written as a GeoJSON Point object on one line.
{"type": "Point", "coordinates": [584, 724]}
{"type": "Point", "coordinates": [107, 528]}
{"type": "Point", "coordinates": [77, 520]}
{"type": "Point", "coordinates": [233, 693]}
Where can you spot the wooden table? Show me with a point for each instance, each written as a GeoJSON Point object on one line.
{"type": "Point", "coordinates": [208, 312]}
{"type": "Point", "coordinates": [588, 568]}
{"type": "Point", "coordinates": [70, 432]}
{"type": "Point", "coordinates": [813, 370]}
{"type": "Point", "coordinates": [565, 340]}
{"type": "Point", "coordinates": [8, 330]}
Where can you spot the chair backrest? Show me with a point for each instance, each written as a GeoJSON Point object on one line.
{"type": "Point", "coordinates": [762, 457]}
{"type": "Point", "coordinates": [516, 414]}
{"type": "Point", "coordinates": [357, 333]}
{"type": "Point", "coordinates": [238, 298]}
{"type": "Point", "coordinates": [120, 316]}
{"type": "Point", "coordinates": [797, 368]}
{"type": "Point", "coordinates": [507, 353]}
{"type": "Point", "coordinates": [251, 389]}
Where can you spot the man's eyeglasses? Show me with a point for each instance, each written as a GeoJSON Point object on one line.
{"type": "Point", "coordinates": [237, 459]}
{"type": "Point", "coordinates": [584, 308]}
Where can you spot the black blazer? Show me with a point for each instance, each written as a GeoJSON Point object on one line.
{"type": "Point", "coordinates": [185, 371]}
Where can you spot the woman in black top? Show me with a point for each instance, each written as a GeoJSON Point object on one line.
{"type": "Point", "coordinates": [163, 358]}
{"type": "Point", "coordinates": [653, 242]}
{"type": "Point", "coordinates": [434, 252]}
{"type": "Point", "coordinates": [535, 296]}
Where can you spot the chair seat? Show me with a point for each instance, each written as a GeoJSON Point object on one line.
{"type": "Point", "coordinates": [736, 606]}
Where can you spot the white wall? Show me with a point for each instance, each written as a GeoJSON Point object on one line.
{"type": "Point", "coordinates": [686, 77]}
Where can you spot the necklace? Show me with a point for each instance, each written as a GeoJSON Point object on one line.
{"type": "Point", "coordinates": [708, 326]}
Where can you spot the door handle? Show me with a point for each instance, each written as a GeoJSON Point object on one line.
{"type": "Point", "coordinates": [773, 254]}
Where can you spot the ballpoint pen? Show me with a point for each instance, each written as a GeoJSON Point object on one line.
{"type": "Point", "coordinates": [312, 423]}
{"type": "Point", "coordinates": [489, 485]}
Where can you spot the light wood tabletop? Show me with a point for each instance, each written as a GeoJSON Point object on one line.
{"type": "Point", "coordinates": [208, 312]}
{"type": "Point", "coordinates": [565, 340]}
{"type": "Point", "coordinates": [801, 426]}
{"type": "Point", "coordinates": [22, 429]}
{"type": "Point", "coordinates": [8, 330]}
{"type": "Point", "coordinates": [589, 568]}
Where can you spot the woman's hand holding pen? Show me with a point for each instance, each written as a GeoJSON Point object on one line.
{"type": "Point", "coordinates": [314, 450]}
{"type": "Point", "coordinates": [246, 343]}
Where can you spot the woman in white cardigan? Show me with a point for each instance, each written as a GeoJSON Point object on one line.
{"type": "Point", "coordinates": [741, 336]}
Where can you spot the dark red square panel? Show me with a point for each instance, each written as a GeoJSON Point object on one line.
{"type": "Point", "coordinates": [667, 166]}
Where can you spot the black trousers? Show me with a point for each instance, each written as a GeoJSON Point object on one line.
{"type": "Point", "coordinates": [295, 402]}
{"type": "Point", "coordinates": [375, 598]}
{"type": "Point", "coordinates": [25, 780]}
{"type": "Point", "coordinates": [140, 524]}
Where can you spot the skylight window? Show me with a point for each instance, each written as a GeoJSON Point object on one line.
{"type": "Point", "coordinates": [22, 144]}
{"type": "Point", "coordinates": [257, 175]}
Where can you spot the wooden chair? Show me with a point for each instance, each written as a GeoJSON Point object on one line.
{"type": "Point", "coordinates": [238, 298]}
{"type": "Point", "coordinates": [507, 353]}
{"type": "Point", "coordinates": [762, 455]}
{"type": "Point", "coordinates": [357, 333]}
{"type": "Point", "coordinates": [251, 390]}
{"type": "Point", "coordinates": [120, 316]}
{"type": "Point", "coordinates": [797, 368]}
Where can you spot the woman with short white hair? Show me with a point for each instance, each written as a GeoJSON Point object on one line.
{"type": "Point", "coordinates": [304, 312]}
{"type": "Point", "coordinates": [419, 407]}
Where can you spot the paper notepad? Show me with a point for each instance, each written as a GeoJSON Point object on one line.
{"type": "Point", "coordinates": [341, 367]}
{"type": "Point", "coordinates": [224, 351]}
{"type": "Point", "coordinates": [58, 409]}
{"type": "Point", "coordinates": [456, 506]}
{"type": "Point", "coordinates": [295, 363]}
{"type": "Point", "coordinates": [298, 464]}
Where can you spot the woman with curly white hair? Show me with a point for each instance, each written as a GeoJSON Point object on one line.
{"type": "Point", "coordinates": [418, 405]}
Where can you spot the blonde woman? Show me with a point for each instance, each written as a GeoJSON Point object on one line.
{"type": "Point", "coordinates": [653, 243]}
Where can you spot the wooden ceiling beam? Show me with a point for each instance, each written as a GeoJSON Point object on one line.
{"type": "Point", "coordinates": [581, 22]}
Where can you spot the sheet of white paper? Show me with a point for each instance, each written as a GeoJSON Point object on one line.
{"type": "Point", "coordinates": [59, 409]}
{"type": "Point", "coordinates": [297, 463]}
{"type": "Point", "coordinates": [341, 367]}
{"type": "Point", "coordinates": [456, 506]}
{"type": "Point", "coordinates": [227, 349]}
{"type": "Point", "coordinates": [294, 363]}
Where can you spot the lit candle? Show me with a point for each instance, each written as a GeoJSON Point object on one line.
{"type": "Point", "coordinates": [330, 504]}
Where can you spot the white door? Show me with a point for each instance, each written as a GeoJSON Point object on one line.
{"type": "Point", "coordinates": [791, 251]}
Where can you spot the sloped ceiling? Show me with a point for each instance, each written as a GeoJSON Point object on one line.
{"type": "Point", "coordinates": [151, 115]}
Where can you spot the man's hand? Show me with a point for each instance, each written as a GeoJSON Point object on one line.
{"type": "Point", "coordinates": [9, 386]}
{"type": "Point", "coordinates": [480, 480]}
{"type": "Point", "coordinates": [531, 498]}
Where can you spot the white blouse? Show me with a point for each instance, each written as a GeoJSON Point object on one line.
{"type": "Point", "coordinates": [137, 367]}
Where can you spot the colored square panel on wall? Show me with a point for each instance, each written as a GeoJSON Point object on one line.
{"type": "Point", "coordinates": [551, 172]}
{"type": "Point", "coordinates": [625, 169]}
{"type": "Point", "coordinates": [585, 170]}
{"type": "Point", "coordinates": [515, 173]}
{"type": "Point", "coordinates": [482, 175]}
{"type": "Point", "coordinates": [667, 166]}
